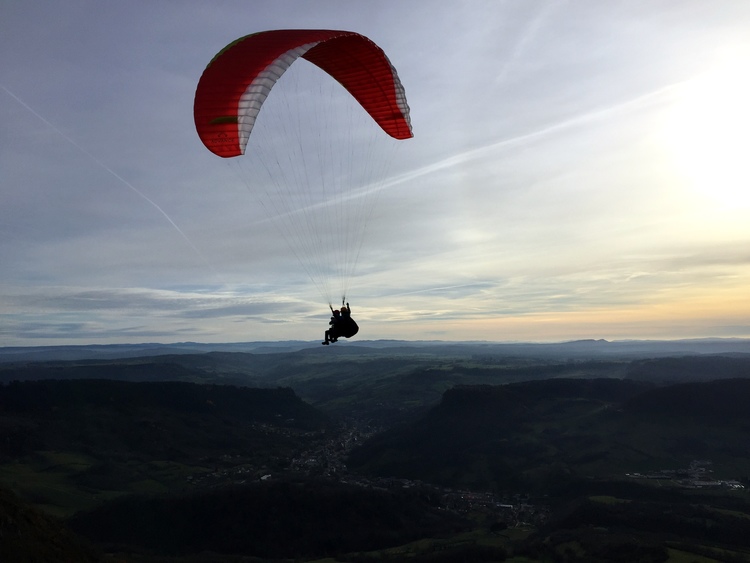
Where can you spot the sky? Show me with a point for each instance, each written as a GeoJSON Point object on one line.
{"type": "Point", "coordinates": [578, 170]}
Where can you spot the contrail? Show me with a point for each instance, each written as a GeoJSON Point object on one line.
{"type": "Point", "coordinates": [108, 169]}
{"type": "Point", "coordinates": [525, 138]}
{"type": "Point", "coordinates": [527, 36]}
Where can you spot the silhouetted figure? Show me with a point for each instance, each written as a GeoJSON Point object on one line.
{"type": "Point", "coordinates": [342, 324]}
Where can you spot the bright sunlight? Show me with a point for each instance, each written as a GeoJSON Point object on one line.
{"type": "Point", "coordinates": [709, 134]}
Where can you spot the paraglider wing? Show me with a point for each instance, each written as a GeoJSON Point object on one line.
{"type": "Point", "coordinates": [239, 78]}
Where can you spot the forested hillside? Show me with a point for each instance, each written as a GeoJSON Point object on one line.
{"type": "Point", "coordinates": [538, 435]}
{"type": "Point", "coordinates": [272, 456]}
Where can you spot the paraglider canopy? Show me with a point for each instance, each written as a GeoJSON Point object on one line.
{"type": "Point", "coordinates": [239, 78]}
{"type": "Point", "coordinates": [317, 158]}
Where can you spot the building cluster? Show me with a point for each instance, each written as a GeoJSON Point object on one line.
{"type": "Point", "coordinates": [325, 457]}
{"type": "Point", "coordinates": [698, 475]}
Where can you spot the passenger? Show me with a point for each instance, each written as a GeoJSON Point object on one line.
{"type": "Point", "coordinates": [342, 324]}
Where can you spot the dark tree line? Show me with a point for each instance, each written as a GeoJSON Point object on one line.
{"type": "Point", "coordinates": [282, 519]}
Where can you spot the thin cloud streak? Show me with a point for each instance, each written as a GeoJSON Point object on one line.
{"type": "Point", "coordinates": [110, 171]}
{"type": "Point", "coordinates": [528, 138]}
{"type": "Point", "coordinates": [527, 37]}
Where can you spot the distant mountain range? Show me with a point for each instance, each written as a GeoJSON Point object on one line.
{"type": "Point", "coordinates": [574, 349]}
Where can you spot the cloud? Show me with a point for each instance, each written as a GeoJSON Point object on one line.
{"type": "Point", "coordinates": [537, 195]}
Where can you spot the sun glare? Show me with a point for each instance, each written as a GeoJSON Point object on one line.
{"type": "Point", "coordinates": [708, 135]}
